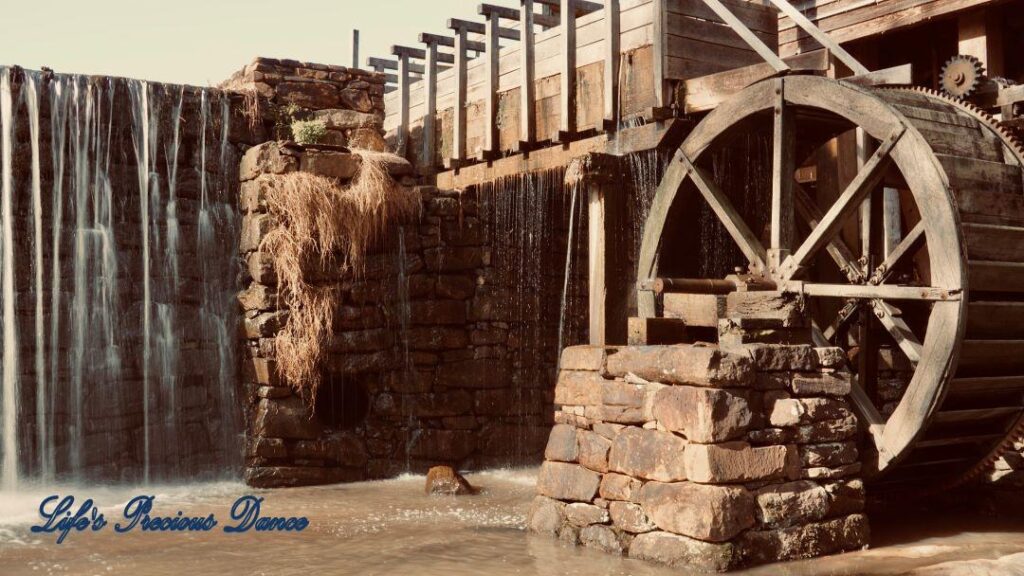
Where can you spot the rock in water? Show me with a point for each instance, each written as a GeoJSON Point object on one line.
{"type": "Point", "coordinates": [446, 481]}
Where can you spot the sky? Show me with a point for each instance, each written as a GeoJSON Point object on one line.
{"type": "Point", "coordinates": [202, 42]}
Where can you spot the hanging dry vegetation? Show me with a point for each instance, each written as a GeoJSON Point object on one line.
{"type": "Point", "coordinates": [323, 225]}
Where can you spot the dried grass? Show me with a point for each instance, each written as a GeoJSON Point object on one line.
{"type": "Point", "coordinates": [322, 225]}
{"type": "Point", "coordinates": [252, 108]}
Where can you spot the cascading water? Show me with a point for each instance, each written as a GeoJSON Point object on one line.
{"type": "Point", "coordinates": [117, 328]}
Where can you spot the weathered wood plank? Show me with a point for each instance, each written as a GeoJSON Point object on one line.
{"type": "Point", "coordinates": [783, 215]}
{"type": "Point", "coordinates": [527, 94]}
{"type": "Point", "coordinates": [767, 53]}
{"type": "Point", "coordinates": [994, 243]}
{"type": "Point", "coordinates": [995, 321]}
{"type": "Point", "coordinates": [567, 96]}
{"type": "Point", "coordinates": [996, 276]}
{"type": "Point", "coordinates": [992, 357]}
{"type": "Point", "coordinates": [706, 92]}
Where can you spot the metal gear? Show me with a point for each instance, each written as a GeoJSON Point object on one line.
{"type": "Point", "coordinates": [962, 75]}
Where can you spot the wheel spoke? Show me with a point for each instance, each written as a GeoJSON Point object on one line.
{"type": "Point", "coordinates": [723, 208]}
{"type": "Point", "coordinates": [848, 203]}
{"type": "Point", "coordinates": [890, 318]}
{"type": "Point", "coordinates": [837, 249]}
{"type": "Point", "coordinates": [847, 313]}
{"type": "Point", "coordinates": [909, 245]}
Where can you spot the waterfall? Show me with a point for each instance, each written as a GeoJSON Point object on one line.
{"type": "Point", "coordinates": [31, 95]}
{"type": "Point", "coordinates": [117, 281]}
{"type": "Point", "coordinates": [10, 336]}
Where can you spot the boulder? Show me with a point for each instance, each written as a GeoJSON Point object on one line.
{"type": "Point", "coordinates": [288, 418]}
{"type": "Point", "coordinates": [562, 444]}
{"type": "Point", "coordinates": [805, 541]}
{"type": "Point", "coordinates": [580, 514]}
{"type": "Point", "coordinates": [630, 517]}
{"type": "Point", "coordinates": [593, 451]}
{"type": "Point", "coordinates": [602, 538]}
{"type": "Point", "coordinates": [444, 480]}
{"type": "Point", "coordinates": [546, 516]}
{"type": "Point", "coordinates": [620, 487]}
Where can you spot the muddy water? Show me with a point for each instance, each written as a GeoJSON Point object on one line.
{"type": "Point", "coordinates": [392, 528]}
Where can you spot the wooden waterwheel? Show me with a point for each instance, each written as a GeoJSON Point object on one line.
{"type": "Point", "coordinates": [942, 295]}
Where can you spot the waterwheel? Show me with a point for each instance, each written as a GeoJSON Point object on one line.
{"type": "Point", "coordinates": [942, 292]}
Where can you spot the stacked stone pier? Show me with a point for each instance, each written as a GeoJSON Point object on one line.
{"type": "Point", "coordinates": [695, 456]}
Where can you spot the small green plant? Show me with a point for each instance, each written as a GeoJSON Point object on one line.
{"type": "Point", "coordinates": [309, 131]}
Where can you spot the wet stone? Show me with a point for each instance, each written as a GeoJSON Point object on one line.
{"type": "Point", "coordinates": [648, 454]}
{"type": "Point", "coordinates": [682, 552]}
{"type": "Point", "coordinates": [620, 487]}
{"type": "Point", "coordinates": [546, 515]}
{"type": "Point", "coordinates": [567, 482]}
{"type": "Point", "coordinates": [562, 444]}
{"type": "Point", "coordinates": [579, 514]}
{"type": "Point", "coordinates": [694, 365]}
{"type": "Point", "coordinates": [708, 513]}
{"type": "Point", "coordinates": [630, 517]}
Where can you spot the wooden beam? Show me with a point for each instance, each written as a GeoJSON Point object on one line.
{"type": "Point", "coordinates": [727, 214]}
{"type": "Point", "coordinates": [430, 117]}
{"type": "Point", "coordinates": [870, 292]}
{"type": "Point", "coordinates": [516, 15]}
{"type": "Point", "coordinates": [841, 254]}
{"type": "Point", "coordinates": [667, 136]}
{"type": "Point", "coordinates": [381, 64]}
{"type": "Point", "coordinates": [567, 129]}
{"type": "Point", "coordinates": [421, 54]}
{"type": "Point", "coordinates": [783, 223]}
{"type": "Point", "coordinates": [889, 316]}
{"type": "Point", "coordinates": [847, 203]}
{"type": "Point", "coordinates": [768, 54]}
{"type": "Point", "coordinates": [892, 221]}
{"type": "Point", "coordinates": [612, 34]}
{"type": "Point", "coordinates": [821, 37]}
{"type": "Point", "coordinates": [660, 14]}
{"type": "Point", "coordinates": [579, 7]}
{"type": "Point", "coordinates": [480, 28]}
{"type": "Point", "coordinates": [896, 76]}
{"type": "Point", "coordinates": [527, 88]}
{"type": "Point", "coordinates": [449, 41]}
{"type": "Point", "coordinates": [461, 85]}
{"type": "Point", "coordinates": [609, 289]}
{"type": "Point", "coordinates": [597, 240]}
{"type": "Point", "coordinates": [707, 92]}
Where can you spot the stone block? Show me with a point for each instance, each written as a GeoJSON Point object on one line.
{"type": "Point", "coordinates": [562, 444]}
{"type": "Point", "coordinates": [340, 119]}
{"type": "Point", "coordinates": [708, 513]}
{"type": "Point", "coordinates": [455, 287]}
{"type": "Point", "coordinates": [738, 462]}
{"type": "Point", "coordinates": [607, 429]}
{"type": "Point", "coordinates": [828, 455]}
{"type": "Point", "coordinates": [436, 312]}
{"type": "Point", "coordinates": [833, 473]}
{"type": "Point", "coordinates": [546, 516]}
{"type": "Point", "coordinates": [267, 158]}
{"type": "Point", "coordinates": [683, 364]}
{"type": "Point", "coordinates": [616, 414]}
{"type": "Point", "coordinates": [314, 95]}
{"type": "Point", "coordinates": [649, 454]}
{"type": "Point", "coordinates": [265, 325]}
{"type": "Point", "coordinates": [838, 430]}
{"type": "Point", "coordinates": [832, 357]}
{"type": "Point", "coordinates": [593, 451]}
{"type": "Point", "coordinates": [703, 415]}
{"type": "Point", "coordinates": [618, 393]}
{"type": "Point", "coordinates": [620, 487]}
{"type": "Point", "coordinates": [806, 541]}
{"type": "Point", "coordinates": [791, 412]}
{"type": "Point", "coordinates": [784, 505]}
{"type": "Point", "coordinates": [602, 538]}
{"type": "Point", "coordinates": [255, 228]}
{"type": "Point", "coordinates": [454, 259]}
{"type": "Point", "coordinates": [567, 482]}
{"type": "Point", "coordinates": [826, 384]}
{"type": "Point", "coordinates": [287, 418]}
{"type": "Point", "coordinates": [590, 358]}
{"type": "Point", "coordinates": [780, 357]}
{"type": "Point", "coordinates": [578, 388]}
{"type": "Point", "coordinates": [682, 552]}
{"type": "Point", "coordinates": [331, 164]}
{"type": "Point", "coordinates": [630, 517]}
{"type": "Point", "coordinates": [442, 445]}
{"type": "Point", "coordinates": [580, 514]}
{"type": "Point", "coordinates": [782, 310]}
{"type": "Point", "coordinates": [355, 99]}
{"type": "Point", "coordinates": [258, 298]}
{"type": "Point", "coordinates": [845, 497]}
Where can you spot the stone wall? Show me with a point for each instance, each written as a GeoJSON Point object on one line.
{"type": "Point", "coordinates": [691, 456]}
{"type": "Point", "coordinates": [443, 352]}
{"type": "Point", "coordinates": [350, 102]}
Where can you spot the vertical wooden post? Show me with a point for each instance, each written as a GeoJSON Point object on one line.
{"type": "Point", "coordinates": [527, 126]}
{"type": "Point", "coordinates": [981, 36]}
{"type": "Point", "coordinates": [661, 97]}
{"type": "Point", "coordinates": [608, 259]}
{"type": "Point", "coordinates": [459, 128]}
{"type": "Point", "coordinates": [783, 168]}
{"type": "Point", "coordinates": [493, 72]}
{"type": "Point", "coordinates": [403, 97]}
{"type": "Point", "coordinates": [430, 114]}
{"type": "Point", "coordinates": [355, 49]}
{"type": "Point", "coordinates": [568, 118]}
{"type": "Point", "coordinates": [612, 38]}
{"type": "Point", "coordinates": [866, 209]}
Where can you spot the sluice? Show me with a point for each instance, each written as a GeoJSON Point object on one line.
{"type": "Point", "coordinates": [937, 262]}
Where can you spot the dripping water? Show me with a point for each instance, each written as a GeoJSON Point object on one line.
{"type": "Point", "coordinates": [10, 338]}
